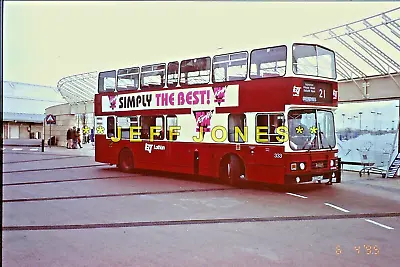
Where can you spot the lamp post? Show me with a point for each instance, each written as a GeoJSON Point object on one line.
{"type": "Point", "coordinates": [373, 114]}
{"type": "Point", "coordinates": [350, 132]}
{"type": "Point", "coordinates": [379, 120]}
{"type": "Point", "coordinates": [349, 118]}
{"type": "Point", "coordinates": [355, 120]}
{"type": "Point", "coordinates": [343, 115]}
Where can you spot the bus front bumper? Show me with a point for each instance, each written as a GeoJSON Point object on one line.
{"type": "Point", "coordinates": [312, 178]}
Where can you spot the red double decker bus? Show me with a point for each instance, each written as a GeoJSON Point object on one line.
{"type": "Point", "coordinates": [263, 115]}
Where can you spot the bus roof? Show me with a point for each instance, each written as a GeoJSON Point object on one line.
{"type": "Point", "coordinates": [231, 49]}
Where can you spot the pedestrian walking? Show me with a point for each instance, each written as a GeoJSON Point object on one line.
{"type": "Point", "coordinates": [78, 137]}
{"type": "Point", "coordinates": [92, 136]}
{"type": "Point", "coordinates": [74, 138]}
{"type": "Point", "coordinates": [69, 138]}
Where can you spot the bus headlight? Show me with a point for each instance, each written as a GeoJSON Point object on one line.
{"type": "Point", "coordinates": [302, 166]}
{"type": "Point", "coordinates": [332, 162]}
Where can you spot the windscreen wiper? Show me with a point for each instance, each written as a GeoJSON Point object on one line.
{"type": "Point", "coordinates": [309, 143]}
{"type": "Point", "coordinates": [322, 134]}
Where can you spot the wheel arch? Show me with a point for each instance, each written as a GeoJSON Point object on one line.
{"type": "Point", "coordinates": [228, 156]}
{"type": "Point", "coordinates": [126, 150]}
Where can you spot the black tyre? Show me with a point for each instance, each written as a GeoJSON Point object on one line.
{"type": "Point", "coordinates": [125, 161]}
{"type": "Point", "coordinates": [231, 170]}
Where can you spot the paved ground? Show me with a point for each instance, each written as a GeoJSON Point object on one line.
{"type": "Point", "coordinates": [24, 146]}
{"type": "Point", "coordinates": [23, 142]}
{"type": "Point", "coordinates": [63, 209]}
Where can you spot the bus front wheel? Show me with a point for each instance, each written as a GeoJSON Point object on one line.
{"type": "Point", "coordinates": [125, 162]}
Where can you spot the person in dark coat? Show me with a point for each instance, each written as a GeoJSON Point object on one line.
{"type": "Point", "coordinates": [78, 137]}
{"type": "Point", "coordinates": [74, 138]}
{"type": "Point", "coordinates": [92, 136]}
{"type": "Point", "coordinates": [69, 137]}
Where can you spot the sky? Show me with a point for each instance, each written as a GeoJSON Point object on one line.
{"type": "Point", "coordinates": [46, 41]}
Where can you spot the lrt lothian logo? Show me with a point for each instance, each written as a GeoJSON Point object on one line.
{"type": "Point", "coordinates": [113, 101]}
{"type": "Point", "coordinates": [203, 119]}
{"type": "Point", "coordinates": [150, 147]}
{"type": "Point", "coordinates": [219, 94]}
{"type": "Point", "coordinates": [335, 94]}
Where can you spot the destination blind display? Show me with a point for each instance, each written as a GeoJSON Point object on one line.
{"type": "Point", "coordinates": [314, 92]}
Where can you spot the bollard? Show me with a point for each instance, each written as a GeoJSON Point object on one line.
{"type": "Point", "coordinates": [340, 172]}
{"type": "Point", "coordinates": [42, 145]}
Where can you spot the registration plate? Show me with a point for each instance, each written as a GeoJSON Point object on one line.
{"type": "Point", "coordinates": [317, 178]}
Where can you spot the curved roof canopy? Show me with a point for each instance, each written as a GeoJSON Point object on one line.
{"type": "Point", "coordinates": [366, 47]}
{"type": "Point", "coordinates": [78, 88]}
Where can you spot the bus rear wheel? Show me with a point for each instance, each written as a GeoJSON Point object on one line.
{"type": "Point", "coordinates": [231, 170]}
{"type": "Point", "coordinates": [125, 161]}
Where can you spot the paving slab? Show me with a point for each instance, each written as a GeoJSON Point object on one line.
{"type": "Point", "coordinates": [313, 243]}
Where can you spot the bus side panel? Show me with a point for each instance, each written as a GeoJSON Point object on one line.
{"type": "Point", "coordinates": [151, 155]}
{"type": "Point", "coordinates": [181, 157]}
{"type": "Point", "coordinates": [216, 152]}
{"type": "Point", "coordinates": [210, 159]}
{"type": "Point", "coordinates": [265, 173]}
{"type": "Point", "coordinates": [262, 163]}
{"type": "Point", "coordinates": [267, 164]}
{"type": "Point", "coordinates": [103, 152]}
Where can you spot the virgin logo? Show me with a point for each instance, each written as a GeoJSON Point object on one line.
{"type": "Point", "coordinates": [206, 118]}
{"type": "Point", "coordinates": [113, 101]}
{"type": "Point", "coordinates": [219, 94]}
{"type": "Point", "coordinates": [203, 119]}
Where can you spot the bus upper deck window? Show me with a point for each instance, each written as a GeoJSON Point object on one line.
{"type": "Point", "coordinates": [152, 76]}
{"type": "Point", "coordinates": [268, 62]}
{"type": "Point", "coordinates": [107, 81]}
{"type": "Point", "coordinates": [128, 79]}
{"type": "Point", "coordinates": [230, 67]}
{"type": "Point", "coordinates": [172, 74]}
{"type": "Point", "coordinates": [195, 71]}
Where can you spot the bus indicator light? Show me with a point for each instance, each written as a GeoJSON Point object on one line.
{"type": "Point", "coordinates": [293, 166]}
